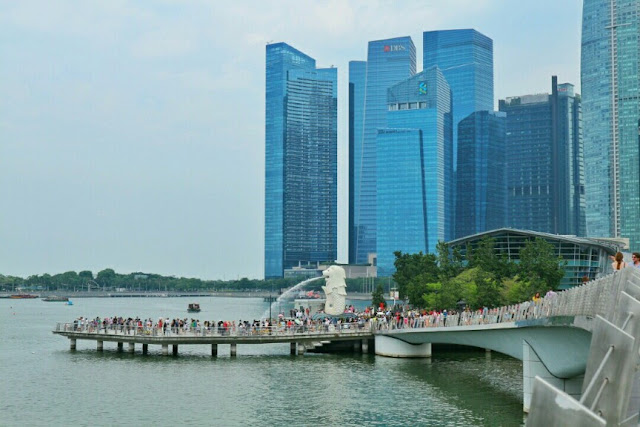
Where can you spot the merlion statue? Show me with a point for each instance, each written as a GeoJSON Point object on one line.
{"type": "Point", "coordinates": [335, 290]}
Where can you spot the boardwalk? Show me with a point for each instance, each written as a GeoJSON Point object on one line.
{"type": "Point", "coordinates": [300, 337]}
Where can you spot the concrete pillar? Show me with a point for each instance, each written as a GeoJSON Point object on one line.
{"type": "Point", "coordinates": [72, 343]}
{"type": "Point", "coordinates": [365, 346]}
{"type": "Point", "coordinates": [214, 350]}
{"type": "Point", "coordinates": [392, 347]}
{"type": "Point", "coordinates": [293, 349]}
{"type": "Point", "coordinates": [532, 367]}
{"type": "Point", "coordinates": [99, 345]}
{"type": "Point", "coordinates": [165, 349]}
{"type": "Point", "coordinates": [132, 347]}
{"type": "Point", "coordinates": [145, 348]}
{"type": "Point", "coordinates": [357, 346]}
{"type": "Point", "coordinates": [300, 349]}
{"type": "Point", "coordinates": [175, 349]}
{"type": "Point", "coordinates": [120, 346]}
{"type": "Point", "coordinates": [233, 349]}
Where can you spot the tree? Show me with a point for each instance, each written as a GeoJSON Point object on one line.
{"type": "Point", "coordinates": [414, 270]}
{"type": "Point", "coordinates": [106, 277]}
{"type": "Point", "coordinates": [450, 264]}
{"type": "Point", "coordinates": [540, 268]}
{"type": "Point", "coordinates": [377, 296]}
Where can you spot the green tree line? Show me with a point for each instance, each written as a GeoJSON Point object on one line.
{"type": "Point", "coordinates": [109, 280]}
{"type": "Point", "coordinates": [440, 281]}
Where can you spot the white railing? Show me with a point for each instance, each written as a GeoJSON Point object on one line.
{"type": "Point", "coordinates": [596, 297]}
{"type": "Point", "coordinates": [214, 331]}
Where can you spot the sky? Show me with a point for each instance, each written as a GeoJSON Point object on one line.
{"type": "Point", "coordinates": [132, 132]}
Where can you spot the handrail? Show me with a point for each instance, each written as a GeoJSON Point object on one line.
{"type": "Point", "coordinates": [213, 331]}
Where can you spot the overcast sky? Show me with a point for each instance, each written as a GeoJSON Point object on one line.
{"type": "Point", "coordinates": [132, 133]}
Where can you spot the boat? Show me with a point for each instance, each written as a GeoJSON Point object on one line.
{"type": "Point", "coordinates": [193, 308]}
{"type": "Point", "coordinates": [55, 298]}
{"type": "Point", "coordinates": [23, 296]}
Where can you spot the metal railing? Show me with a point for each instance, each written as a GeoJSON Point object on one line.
{"type": "Point", "coordinates": [591, 299]}
{"type": "Point", "coordinates": [213, 331]}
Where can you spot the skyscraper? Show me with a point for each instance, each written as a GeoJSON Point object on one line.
{"type": "Point", "coordinates": [611, 112]}
{"type": "Point", "coordinates": [465, 57]}
{"type": "Point", "coordinates": [357, 79]}
{"type": "Point", "coordinates": [544, 161]}
{"type": "Point", "coordinates": [481, 178]}
{"type": "Point", "coordinates": [414, 164]}
{"type": "Point", "coordinates": [300, 160]}
{"type": "Point", "coordinates": [388, 62]}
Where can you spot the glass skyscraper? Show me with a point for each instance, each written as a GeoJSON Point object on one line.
{"type": "Point", "coordinates": [465, 57]}
{"type": "Point", "coordinates": [388, 62]}
{"type": "Point", "coordinates": [544, 162]}
{"type": "Point", "coordinates": [611, 111]}
{"type": "Point", "coordinates": [300, 161]}
{"type": "Point", "coordinates": [481, 203]}
{"type": "Point", "coordinates": [414, 165]}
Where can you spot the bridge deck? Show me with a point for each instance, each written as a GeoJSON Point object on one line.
{"type": "Point", "coordinates": [262, 336]}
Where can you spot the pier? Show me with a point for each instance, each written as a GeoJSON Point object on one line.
{"type": "Point", "coordinates": [299, 338]}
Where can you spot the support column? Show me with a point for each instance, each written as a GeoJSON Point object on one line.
{"type": "Point", "coordinates": [357, 346]}
{"type": "Point", "coordinates": [72, 343]}
{"type": "Point", "coordinates": [300, 349]}
{"type": "Point", "coordinates": [175, 349]}
{"type": "Point", "coordinates": [120, 345]}
{"type": "Point", "coordinates": [99, 345]}
{"type": "Point", "coordinates": [145, 348]}
{"type": "Point", "coordinates": [532, 367]}
{"type": "Point", "coordinates": [214, 350]}
{"type": "Point", "coordinates": [392, 347]}
{"type": "Point", "coordinates": [165, 349]}
{"type": "Point", "coordinates": [293, 349]}
{"type": "Point", "coordinates": [233, 350]}
{"type": "Point", "coordinates": [132, 347]}
{"type": "Point", "coordinates": [365, 346]}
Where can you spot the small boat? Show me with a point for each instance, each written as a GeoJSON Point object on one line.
{"type": "Point", "coordinates": [193, 308]}
{"type": "Point", "coordinates": [23, 296]}
{"type": "Point", "coordinates": [55, 298]}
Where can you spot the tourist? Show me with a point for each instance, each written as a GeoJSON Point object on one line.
{"type": "Point", "coordinates": [618, 262]}
{"type": "Point", "coordinates": [635, 260]}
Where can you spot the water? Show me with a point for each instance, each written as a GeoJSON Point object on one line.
{"type": "Point", "coordinates": [276, 305]}
{"type": "Point", "coordinates": [43, 383]}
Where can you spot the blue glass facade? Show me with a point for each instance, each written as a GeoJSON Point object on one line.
{"type": "Point", "coordinates": [300, 161]}
{"type": "Point", "coordinates": [544, 162]}
{"type": "Point", "coordinates": [611, 110]}
{"type": "Point", "coordinates": [465, 57]}
{"type": "Point", "coordinates": [414, 164]}
{"type": "Point", "coordinates": [388, 62]}
{"type": "Point", "coordinates": [481, 203]}
{"type": "Point", "coordinates": [357, 79]}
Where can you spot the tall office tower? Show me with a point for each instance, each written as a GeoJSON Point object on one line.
{"type": "Point", "coordinates": [466, 60]}
{"type": "Point", "coordinates": [611, 112]}
{"type": "Point", "coordinates": [481, 203]}
{"type": "Point", "coordinates": [300, 162]}
{"type": "Point", "coordinates": [545, 175]}
{"type": "Point", "coordinates": [414, 164]}
{"type": "Point", "coordinates": [357, 79]}
{"type": "Point", "coordinates": [388, 62]}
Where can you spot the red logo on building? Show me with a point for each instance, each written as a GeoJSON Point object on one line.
{"type": "Point", "coordinates": [387, 48]}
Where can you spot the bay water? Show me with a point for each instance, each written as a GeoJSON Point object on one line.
{"type": "Point", "coordinates": [43, 383]}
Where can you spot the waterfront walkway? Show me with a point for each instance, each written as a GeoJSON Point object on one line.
{"type": "Point", "coordinates": [300, 337]}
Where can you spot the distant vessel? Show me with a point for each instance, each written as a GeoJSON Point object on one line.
{"type": "Point", "coordinates": [193, 308]}
{"type": "Point", "coordinates": [23, 296]}
{"type": "Point", "coordinates": [55, 299]}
